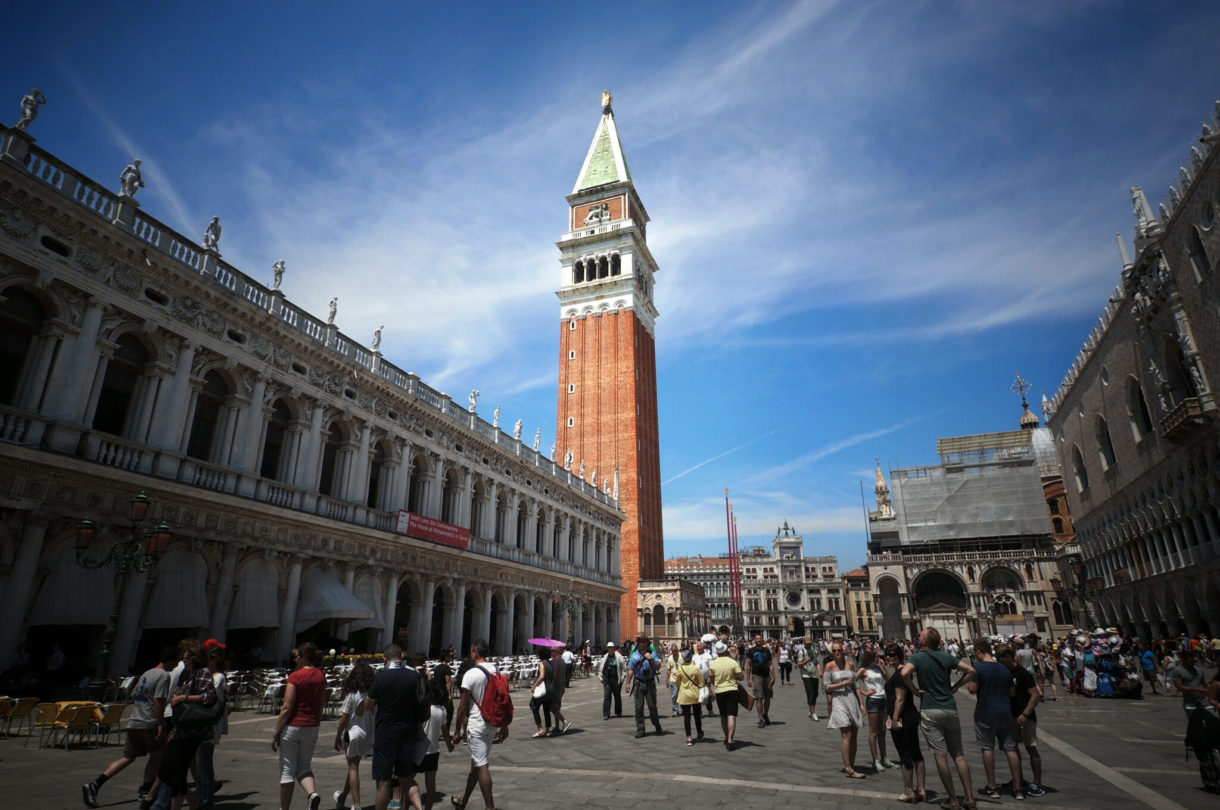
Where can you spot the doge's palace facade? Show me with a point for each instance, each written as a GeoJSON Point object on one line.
{"type": "Point", "coordinates": [284, 456]}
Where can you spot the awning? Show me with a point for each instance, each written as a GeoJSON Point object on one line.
{"type": "Point", "coordinates": [369, 591]}
{"type": "Point", "coordinates": [257, 601]}
{"type": "Point", "coordinates": [71, 594]}
{"type": "Point", "coordinates": [179, 598]}
{"type": "Point", "coordinates": [324, 597]}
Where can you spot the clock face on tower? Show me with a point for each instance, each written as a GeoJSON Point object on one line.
{"type": "Point", "coordinates": [792, 598]}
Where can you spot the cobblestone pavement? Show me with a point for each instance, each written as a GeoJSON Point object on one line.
{"type": "Point", "coordinates": [1096, 754]}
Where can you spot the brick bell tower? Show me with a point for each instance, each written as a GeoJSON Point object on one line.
{"type": "Point", "coordinates": [607, 354]}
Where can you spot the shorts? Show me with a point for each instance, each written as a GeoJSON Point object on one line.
{"type": "Point", "coordinates": [1027, 734]}
{"type": "Point", "coordinates": [988, 736]}
{"type": "Point", "coordinates": [874, 705]}
{"type": "Point", "coordinates": [726, 703]}
{"type": "Point", "coordinates": [1150, 675]}
{"type": "Point", "coordinates": [359, 743]}
{"type": "Point", "coordinates": [430, 762]}
{"type": "Point", "coordinates": [296, 753]}
{"type": "Point", "coordinates": [394, 755]}
{"type": "Point", "coordinates": [942, 730]}
{"type": "Point", "coordinates": [142, 741]}
{"type": "Point", "coordinates": [479, 742]}
{"type": "Point", "coordinates": [762, 686]}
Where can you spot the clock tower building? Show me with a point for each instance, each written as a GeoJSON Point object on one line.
{"type": "Point", "coordinates": [608, 424]}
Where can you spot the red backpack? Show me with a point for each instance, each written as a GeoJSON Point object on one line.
{"type": "Point", "coordinates": [496, 706]}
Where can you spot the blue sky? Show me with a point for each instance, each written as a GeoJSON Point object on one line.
{"type": "Point", "coordinates": [867, 216]}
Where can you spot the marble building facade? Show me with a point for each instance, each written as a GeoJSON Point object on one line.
{"type": "Point", "coordinates": [281, 453]}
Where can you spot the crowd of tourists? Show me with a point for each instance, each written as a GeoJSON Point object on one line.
{"type": "Point", "coordinates": [896, 695]}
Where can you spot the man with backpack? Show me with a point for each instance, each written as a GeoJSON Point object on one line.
{"type": "Point", "coordinates": [485, 711]}
{"type": "Point", "coordinates": [400, 694]}
{"type": "Point", "coordinates": [762, 678]}
{"type": "Point", "coordinates": [642, 669]}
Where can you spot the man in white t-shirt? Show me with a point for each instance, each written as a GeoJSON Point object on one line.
{"type": "Point", "coordinates": [479, 734]}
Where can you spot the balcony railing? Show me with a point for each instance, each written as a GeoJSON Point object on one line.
{"type": "Point", "coordinates": [1184, 420]}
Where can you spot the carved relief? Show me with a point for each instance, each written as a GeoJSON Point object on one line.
{"type": "Point", "coordinates": [126, 280]}
{"type": "Point", "coordinates": [17, 222]}
{"type": "Point", "coordinates": [92, 261]}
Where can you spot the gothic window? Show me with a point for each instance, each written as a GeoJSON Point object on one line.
{"type": "Point", "coordinates": [21, 317]}
{"type": "Point", "coordinates": [1105, 447]}
{"type": "Point", "coordinates": [1198, 256]}
{"type": "Point", "coordinates": [1029, 572]}
{"type": "Point", "coordinates": [1175, 371]}
{"type": "Point", "coordinates": [1078, 470]}
{"type": "Point", "coordinates": [603, 267]}
{"type": "Point", "coordinates": [273, 444]}
{"type": "Point", "coordinates": [970, 572]}
{"type": "Point", "coordinates": [123, 373]}
{"type": "Point", "coordinates": [616, 266]}
{"type": "Point", "coordinates": [330, 460]}
{"type": "Point", "coordinates": [1057, 525]}
{"type": "Point", "coordinates": [578, 273]}
{"type": "Point", "coordinates": [208, 407]}
{"type": "Point", "coordinates": [1054, 505]}
{"type": "Point", "coordinates": [1137, 410]}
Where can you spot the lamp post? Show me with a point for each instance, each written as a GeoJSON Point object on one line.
{"type": "Point", "coordinates": [570, 601]}
{"type": "Point", "coordinates": [1082, 588]}
{"type": "Point", "coordinates": [133, 555]}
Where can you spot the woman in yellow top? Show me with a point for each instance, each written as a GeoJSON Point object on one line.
{"type": "Point", "coordinates": [689, 679]}
{"type": "Point", "coordinates": [725, 675]}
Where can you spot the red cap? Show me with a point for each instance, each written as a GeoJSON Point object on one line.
{"type": "Point", "coordinates": [212, 644]}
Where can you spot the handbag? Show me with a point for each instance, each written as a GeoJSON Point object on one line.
{"type": "Point", "coordinates": [540, 690]}
{"type": "Point", "coordinates": [744, 698]}
{"type": "Point", "coordinates": [189, 716]}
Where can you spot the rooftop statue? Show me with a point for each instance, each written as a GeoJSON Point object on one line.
{"type": "Point", "coordinates": [606, 99]}
{"type": "Point", "coordinates": [495, 417]}
{"type": "Point", "coordinates": [474, 399]}
{"type": "Point", "coordinates": [278, 267]}
{"type": "Point", "coordinates": [334, 310]}
{"type": "Point", "coordinates": [537, 438]}
{"type": "Point", "coordinates": [517, 428]}
{"type": "Point", "coordinates": [211, 236]}
{"type": "Point", "coordinates": [29, 107]}
{"type": "Point", "coordinates": [377, 338]}
{"type": "Point", "coordinates": [131, 181]}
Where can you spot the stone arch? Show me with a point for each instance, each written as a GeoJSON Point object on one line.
{"type": "Point", "coordinates": [274, 462]}
{"type": "Point", "coordinates": [212, 400]}
{"type": "Point", "coordinates": [451, 490]}
{"type": "Point", "coordinates": [123, 385]}
{"type": "Point", "coordinates": [1000, 578]}
{"type": "Point", "coordinates": [939, 589]}
{"type": "Point", "coordinates": [421, 469]}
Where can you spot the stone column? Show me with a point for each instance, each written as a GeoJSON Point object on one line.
{"type": "Point", "coordinates": [15, 599]}
{"type": "Point", "coordinates": [306, 474]}
{"type": "Point", "coordinates": [391, 609]}
{"type": "Point", "coordinates": [436, 487]}
{"type": "Point", "coordinates": [467, 491]}
{"type": "Point", "coordinates": [288, 612]}
{"type": "Point", "coordinates": [168, 429]}
{"type": "Point", "coordinates": [504, 633]}
{"type": "Point", "coordinates": [565, 534]}
{"type": "Point", "coordinates": [423, 634]}
{"type": "Point", "coordinates": [358, 470]}
{"type": "Point", "coordinates": [396, 491]}
{"type": "Point", "coordinates": [124, 652]}
{"type": "Point", "coordinates": [484, 620]}
{"type": "Point", "coordinates": [250, 423]}
{"type": "Point", "coordinates": [223, 599]}
{"type": "Point", "coordinates": [459, 616]}
{"type": "Point", "coordinates": [488, 530]}
{"type": "Point", "coordinates": [530, 599]}
{"type": "Point", "coordinates": [35, 377]}
{"type": "Point", "coordinates": [349, 582]}
{"type": "Point", "coordinates": [69, 386]}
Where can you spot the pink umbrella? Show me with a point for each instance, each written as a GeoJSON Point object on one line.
{"type": "Point", "coordinates": [545, 642]}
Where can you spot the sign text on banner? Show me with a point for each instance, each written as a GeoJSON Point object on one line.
{"type": "Point", "coordinates": [426, 528]}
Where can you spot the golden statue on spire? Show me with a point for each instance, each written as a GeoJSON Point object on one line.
{"type": "Point", "coordinates": [606, 99]}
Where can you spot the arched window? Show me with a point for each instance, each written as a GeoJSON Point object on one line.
{"type": "Point", "coordinates": [477, 494]}
{"type": "Point", "coordinates": [578, 273]}
{"type": "Point", "coordinates": [208, 406]}
{"type": "Point", "coordinates": [449, 497]}
{"type": "Point", "coordinates": [1137, 410]}
{"type": "Point", "coordinates": [616, 265]}
{"type": "Point", "coordinates": [1198, 256]}
{"type": "Point", "coordinates": [21, 317]}
{"type": "Point", "coordinates": [522, 540]}
{"type": "Point", "coordinates": [501, 517]}
{"type": "Point", "coordinates": [603, 267]}
{"type": "Point", "coordinates": [1105, 447]}
{"type": "Point", "coordinates": [273, 444]}
{"type": "Point", "coordinates": [1078, 470]}
{"type": "Point", "coordinates": [123, 374]}
{"type": "Point", "coordinates": [1057, 525]}
{"type": "Point", "coordinates": [1180, 386]}
{"type": "Point", "coordinates": [1054, 505]}
{"type": "Point", "coordinates": [330, 460]}
{"type": "Point", "coordinates": [415, 490]}
{"type": "Point", "coordinates": [539, 533]}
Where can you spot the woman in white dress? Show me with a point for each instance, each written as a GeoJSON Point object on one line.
{"type": "Point", "coordinates": [839, 680]}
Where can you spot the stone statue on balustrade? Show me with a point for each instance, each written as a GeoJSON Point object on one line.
{"type": "Point", "coordinates": [495, 417]}
{"type": "Point", "coordinates": [474, 399]}
{"type": "Point", "coordinates": [278, 267]}
{"type": "Point", "coordinates": [334, 310]}
{"type": "Point", "coordinates": [567, 460]}
{"type": "Point", "coordinates": [554, 447]}
{"type": "Point", "coordinates": [377, 338]}
{"type": "Point", "coordinates": [537, 438]}
{"type": "Point", "coordinates": [211, 236]}
{"type": "Point", "coordinates": [29, 107]}
{"type": "Point", "coordinates": [517, 428]}
{"type": "Point", "coordinates": [582, 469]}
{"type": "Point", "coordinates": [131, 181]}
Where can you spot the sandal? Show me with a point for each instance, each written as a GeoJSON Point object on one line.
{"type": "Point", "coordinates": [905, 799]}
{"type": "Point", "coordinates": [457, 801]}
{"type": "Point", "coordinates": [852, 774]}
{"type": "Point", "coordinates": [538, 734]}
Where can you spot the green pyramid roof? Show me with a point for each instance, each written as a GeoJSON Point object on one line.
{"type": "Point", "coordinates": [605, 162]}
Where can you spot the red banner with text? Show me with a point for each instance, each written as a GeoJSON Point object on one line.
{"type": "Point", "coordinates": [426, 528]}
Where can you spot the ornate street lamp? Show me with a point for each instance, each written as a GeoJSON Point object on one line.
{"type": "Point", "coordinates": [136, 555]}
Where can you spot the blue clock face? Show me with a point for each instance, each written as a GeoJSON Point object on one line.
{"type": "Point", "coordinates": [792, 598]}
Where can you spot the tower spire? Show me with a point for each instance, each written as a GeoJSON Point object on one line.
{"type": "Point", "coordinates": [604, 162]}
{"type": "Point", "coordinates": [1028, 420]}
{"type": "Point", "coordinates": [885, 507]}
